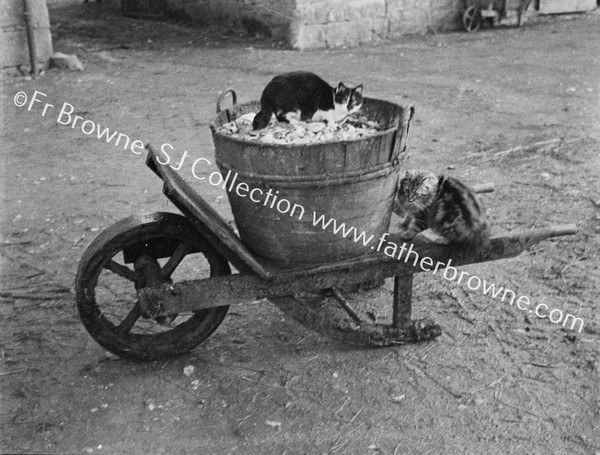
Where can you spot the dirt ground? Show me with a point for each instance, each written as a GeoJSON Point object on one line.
{"type": "Point", "coordinates": [498, 380]}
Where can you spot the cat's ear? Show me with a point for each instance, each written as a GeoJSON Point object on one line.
{"type": "Point", "coordinates": [340, 87]}
{"type": "Point", "coordinates": [358, 88]}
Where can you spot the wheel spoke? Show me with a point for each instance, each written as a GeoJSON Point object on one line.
{"type": "Point", "coordinates": [175, 259]}
{"type": "Point", "coordinates": [122, 271]}
{"type": "Point", "coordinates": [127, 324]}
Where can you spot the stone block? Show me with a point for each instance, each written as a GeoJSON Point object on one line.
{"type": "Point", "coordinates": [332, 11]}
{"type": "Point", "coordinates": [446, 15]}
{"type": "Point", "coordinates": [379, 28]}
{"type": "Point", "coordinates": [347, 33]}
{"type": "Point", "coordinates": [394, 6]}
{"type": "Point", "coordinates": [322, 12]}
{"type": "Point", "coordinates": [566, 6]}
{"type": "Point", "coordinates": [412, 20]}
{"type": "Point", "coordinates": [307, 36]}
{"type": "Point", "coordinates": [357, 10]}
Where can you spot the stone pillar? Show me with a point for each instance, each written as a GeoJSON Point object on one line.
{"type": "Point", "coordinates": [14, 50]}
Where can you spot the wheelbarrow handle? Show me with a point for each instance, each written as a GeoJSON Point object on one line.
{"type": "Point", "coordinates": [222, 95]}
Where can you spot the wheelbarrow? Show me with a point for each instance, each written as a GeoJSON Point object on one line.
{"type": "Point", "coordinates": [155, 286]}
{"type": "Point", "coordinates": [476, 12]}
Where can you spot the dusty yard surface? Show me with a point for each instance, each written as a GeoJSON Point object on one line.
{"type": "Point", "coordinates": [498, 381]}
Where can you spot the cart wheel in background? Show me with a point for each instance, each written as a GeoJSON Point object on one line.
{"type": "Point", "coordinates": [472, 19]}
{"type": "Point", "coordinates": [107, 282]}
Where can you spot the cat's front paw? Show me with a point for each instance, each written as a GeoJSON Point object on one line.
{"type": "Point", "coordinates": [408, 234]}
{"type": "Point", "coordinates": [430, 236]}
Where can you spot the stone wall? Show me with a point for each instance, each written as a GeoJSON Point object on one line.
{"type": "Point", "coordinates": [334, 23]}
{"type": "Point", "coordinates": [313, 24]}
{"type": "Point", "coordinates": [14, 50]}
{"type": "Point", "coordinates": [566, 6]}
{"type": "Point", "coordinates": [309, 24]}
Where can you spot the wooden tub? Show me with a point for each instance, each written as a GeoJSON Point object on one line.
{"type": "Point", "coordinates": [281, 196]}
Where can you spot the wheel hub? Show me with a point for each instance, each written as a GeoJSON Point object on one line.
{"type": "Point", "coordinates": [150, 271]}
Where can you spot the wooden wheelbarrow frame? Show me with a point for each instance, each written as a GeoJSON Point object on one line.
{"type": "Point", "coordinates": [258, 279]}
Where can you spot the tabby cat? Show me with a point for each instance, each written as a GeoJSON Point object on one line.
{"type": "Point", "coordinates": [305, 96]}
{"type": "Point", "coordinates": [444, 205]}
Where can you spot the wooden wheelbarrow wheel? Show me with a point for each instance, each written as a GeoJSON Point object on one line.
{"type": "Point", "coordinates": [472, 19]}
{"type": "Point", "coordinates": [125, 258]}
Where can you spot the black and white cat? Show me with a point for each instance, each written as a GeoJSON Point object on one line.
{"type": "Point", "coordinates": [305, 96]}
{"type": "Point", "coordinates": [445, 206]}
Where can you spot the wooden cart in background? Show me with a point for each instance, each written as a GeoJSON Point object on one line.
{"type": "Point", "coordinates": [475, 12]}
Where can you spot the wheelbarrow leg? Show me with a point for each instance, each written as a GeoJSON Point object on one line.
{"type": "Point", "coordinates": [402, 309]}
{"type": "Point", "coordinates": [523, 5]}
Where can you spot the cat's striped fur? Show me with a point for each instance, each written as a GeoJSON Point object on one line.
{"type": "Point", "coordinates": [443, 204]}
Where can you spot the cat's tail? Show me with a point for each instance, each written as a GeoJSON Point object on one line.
{"type": "Point", "coordinates": [262, 119]}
